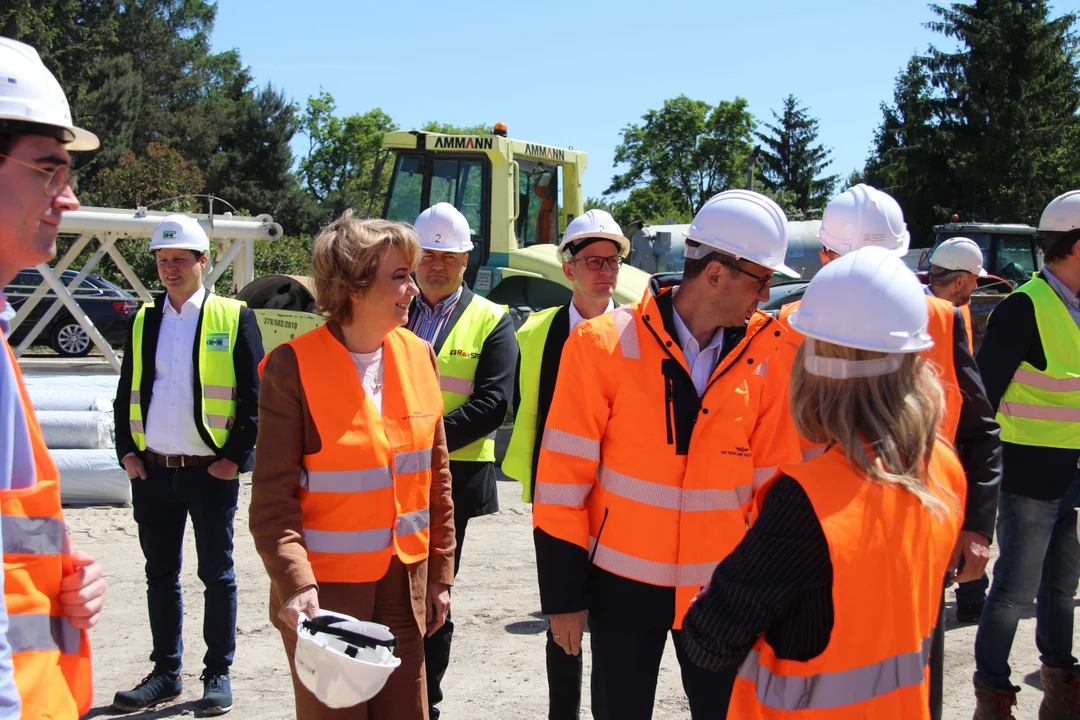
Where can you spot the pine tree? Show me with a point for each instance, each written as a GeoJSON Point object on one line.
{"type": "Point", "coordinates": [793, 160]}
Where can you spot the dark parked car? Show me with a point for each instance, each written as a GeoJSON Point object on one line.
{"type": "Point", "coordinates": [107, 306]}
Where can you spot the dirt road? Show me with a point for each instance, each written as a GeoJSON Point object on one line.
{"type": "Point", "coordinates": [497, 669]}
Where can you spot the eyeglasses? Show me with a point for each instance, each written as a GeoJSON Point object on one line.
{"type": "Point", "coordinates": [596, 262]}
{"type": "Point", "coordinates": [761, 281]}
{"type": "Point", "coordinates": [55, 180]}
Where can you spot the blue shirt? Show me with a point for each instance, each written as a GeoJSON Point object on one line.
{"type": "Point", "coordinates": [427, 322]}
{"type": "Point", "coordinates": [1067, 296]}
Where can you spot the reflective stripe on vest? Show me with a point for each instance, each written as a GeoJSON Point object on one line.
{"type": "Point", "coordinates": [50, 656]}
{"type": "Point", "coordinates": [518, 461]}
{"type": "Point", "coordinates": [867, 669]}
{"type": "Point", "coordinates": [825, 691]}
{"type": "Point", "coordinates": [219, 325]}
{"type": "Point", "coordinates": [1042, 408]}
{"type": "Point", "coordinates": [458, 358]}
{"type": "Point", "coordinates": [649, 571]}
{"type": "Point", "coordinates": [365, 494]}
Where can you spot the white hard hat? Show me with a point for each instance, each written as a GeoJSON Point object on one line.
{"type": "Point", "coordinates": [29, 93]}
{"type": "Point", "coordinates": [959, 253]}
{"type": "Point", "coordinates": [179, 232]}
{"type": "Point", "coordinates": [1062, 214]}
{"type": "Point", "coordinates": [745, 224]}
{"type": "Point", "coordinates": [593, 225]}
{"type": "Point", "coordinates": [863, 216]}
{"type": "Point", "coordinates": [442, 227]}
{"type": "Point", "coordinates": [341, 660]}
{"type": "Point", "coordinates": [869, 300]}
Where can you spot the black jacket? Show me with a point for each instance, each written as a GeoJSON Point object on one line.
{"type": "Point", "coordinates": [474, 489]}
{"type": "Point", "coordinates": [247, 355]}
{"type": "Point", "coordinates": [1012, 337]}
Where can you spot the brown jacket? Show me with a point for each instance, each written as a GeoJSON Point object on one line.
{"type": "Point", "coordinates": [287, 432]}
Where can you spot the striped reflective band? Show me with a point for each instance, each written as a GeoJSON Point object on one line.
{"type": "Point", "coordinates": [546, 493]}
{"type": "Point", "coordinates": [763, 475]}
{"type": "Point", "coordinates": [219, 392]}
{"type": "Point", "coordinates": [332, 541]}
{"type": "Point", "coordinates": [413, 461]}
{"type": "Point", "coordinates": [626, 328]}
{"type": "Point", "coordinates": [1040, 412]}
{"type": "Point", "coordinates": [673, 498]}
{"type": "Point", "coordinates": [220, 422]}
{"type": "Point", "coordinates": [836, 689]}
{"type": "Point", "coordinates": [456, 385]}
{"type": "Point", "coordinates": [136, 426]}
{"type": "Point", "coordinates": [34, 535]}
{"type": "Point", "coordinates": [413, 522]}
{"type": "Point", "coordinates": [35, 633]}
{"type": "Point", "coordinates": [650, 571]}
{"type": "Point", "coordinates": [335, 481]}
{"type": "Point", "coordinates": [570, 444]}
{"type": "Point", "coordinates": [1045, 382]}
{"type": "Point", "coordinates": [136, 397]}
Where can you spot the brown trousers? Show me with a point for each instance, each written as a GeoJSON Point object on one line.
{"type": "Point", "coordinates": [387, 601]}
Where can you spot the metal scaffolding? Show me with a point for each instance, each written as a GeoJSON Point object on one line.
{"type": "Point", "coordinates": [233, 236]}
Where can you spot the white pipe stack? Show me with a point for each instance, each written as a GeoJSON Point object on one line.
{"type": "Point", "coordinates": [76, 417]}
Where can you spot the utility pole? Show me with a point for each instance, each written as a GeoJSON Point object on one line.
{"type": "Point", "coordinates": [750, 163]}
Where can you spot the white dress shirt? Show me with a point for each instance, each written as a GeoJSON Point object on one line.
{"type": "Point", "coordinates": [170, 424]}
{"type": "Point", "coordinates": [575, 316]}
{"type": "Point", "coordinates": [701, 362]}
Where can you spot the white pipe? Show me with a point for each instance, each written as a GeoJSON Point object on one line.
{"type": "Point", "coordinates": [140, 223]}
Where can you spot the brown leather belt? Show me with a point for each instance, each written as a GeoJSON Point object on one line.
{"type": "Point", "coordinates": [178, 461]}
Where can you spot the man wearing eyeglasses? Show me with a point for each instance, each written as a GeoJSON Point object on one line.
{"type": "Point", "coordinates": [51, 594]}
{"type": "Point", "coordinates": [593, 248]}
{"type": "Point", "coordinates": [666, 418]}
{"type": "Point", "coordinates": [474, 343]}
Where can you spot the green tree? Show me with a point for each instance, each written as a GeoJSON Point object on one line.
{"type": "Point", "coordinates": [449, 129]}
{"type": "Point", "coordinates": [341, 153]}
{"type": "Point", "coordinates": [793, 160]}
{"type": "Point", "coordinates": [684, 153]}
{"type": "Point", "coordinates": [152, 178]}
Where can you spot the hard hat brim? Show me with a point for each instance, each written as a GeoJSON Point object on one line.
{"type": "Point", "coordinates": [721, 246]}
{"type": "Point", "coordinates": [180, 246]}
{"type": "Point", "coordinates": [914, 345]}
{"type": "Point", "coordinates": [445, 249]}
{"type": "Point", "coordinates": [620, 241]}
{"type": "Point", "coordinates": [84, 140]}
{"type": "Point", "coordinates": [81, 140]}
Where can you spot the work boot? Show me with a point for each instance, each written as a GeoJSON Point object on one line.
{"type": "Point", "coordinates": [217, 693]}
{"type": "Point", "coordinates": [1061, 694]}
{"type": "Point", "coordinates": [156, 688]}
{"type": "Point", "coordinates": [991, 704]}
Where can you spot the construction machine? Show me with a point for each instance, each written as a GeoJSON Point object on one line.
{"type": "Point", "coordinates": [516, 195]}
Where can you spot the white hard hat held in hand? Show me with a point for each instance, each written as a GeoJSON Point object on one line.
{"type": "Point", "coordinates": [443, 228]}
{"type": "Point", "coordinates": [868, 300]}
{"type": "Point", "coordinates": [959, 253]}
{"type": "Point", "coordinates": [745, 224]}
{"type": "Point", "coordinates": [590, 226]}
{"type": "Point", "coordinates": [863, 216]}
{"type": "Point", "coordinates": [341, 660]}
{"type": "Point", "coordinates": [1062, 214]}
{"type": "Point", "coordinates": [179, 232]}
{"type": "Point", "coordinates": [32, 101]}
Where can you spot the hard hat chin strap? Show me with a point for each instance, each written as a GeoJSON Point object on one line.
{"type": "Point", "coordinates": [843, 369]}
{"type": "Point", "coordinates": [326, 624]}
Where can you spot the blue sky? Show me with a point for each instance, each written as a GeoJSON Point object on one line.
{"type": "Point", "coordinates": [574, 74]}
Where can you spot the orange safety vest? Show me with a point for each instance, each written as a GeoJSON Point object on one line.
{"type": "Point", "coordinates": [941, 329]}
{"type": "Point", "coordinates": [609, 478]}
{"type": "Point", "coordinates": [365, 494]}
{"type": "Point", "coordinates": [879, 536]}
{"type": "Point", "coordinates": [51, 656]}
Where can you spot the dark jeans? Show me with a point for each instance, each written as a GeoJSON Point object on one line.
{"type": "Point", "coordinates": [564, 681]}
{"type": "Point", "coordinates": [626, 663]}
{"type": "Point", "coordinates": [162, 504]}
{"type": "Point", "coordinates": [437, 646]}
{"type": "Point", "coordinates": [1040, 560]}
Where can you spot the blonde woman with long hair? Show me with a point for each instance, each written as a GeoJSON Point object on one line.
{"type": "Point", "coordinates": [881, 509]}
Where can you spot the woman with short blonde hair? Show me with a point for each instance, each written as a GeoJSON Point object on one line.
{"type": "Point", "coordinates": [350, 507]}
{"type": "Point", "coordinates": [881, 508]}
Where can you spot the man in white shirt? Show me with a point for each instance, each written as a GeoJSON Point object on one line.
{"type": "Point", "coordinates": [184, 431]}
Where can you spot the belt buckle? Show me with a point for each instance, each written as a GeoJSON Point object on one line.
{"type": "Point", "coordinates": [179, 461]}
